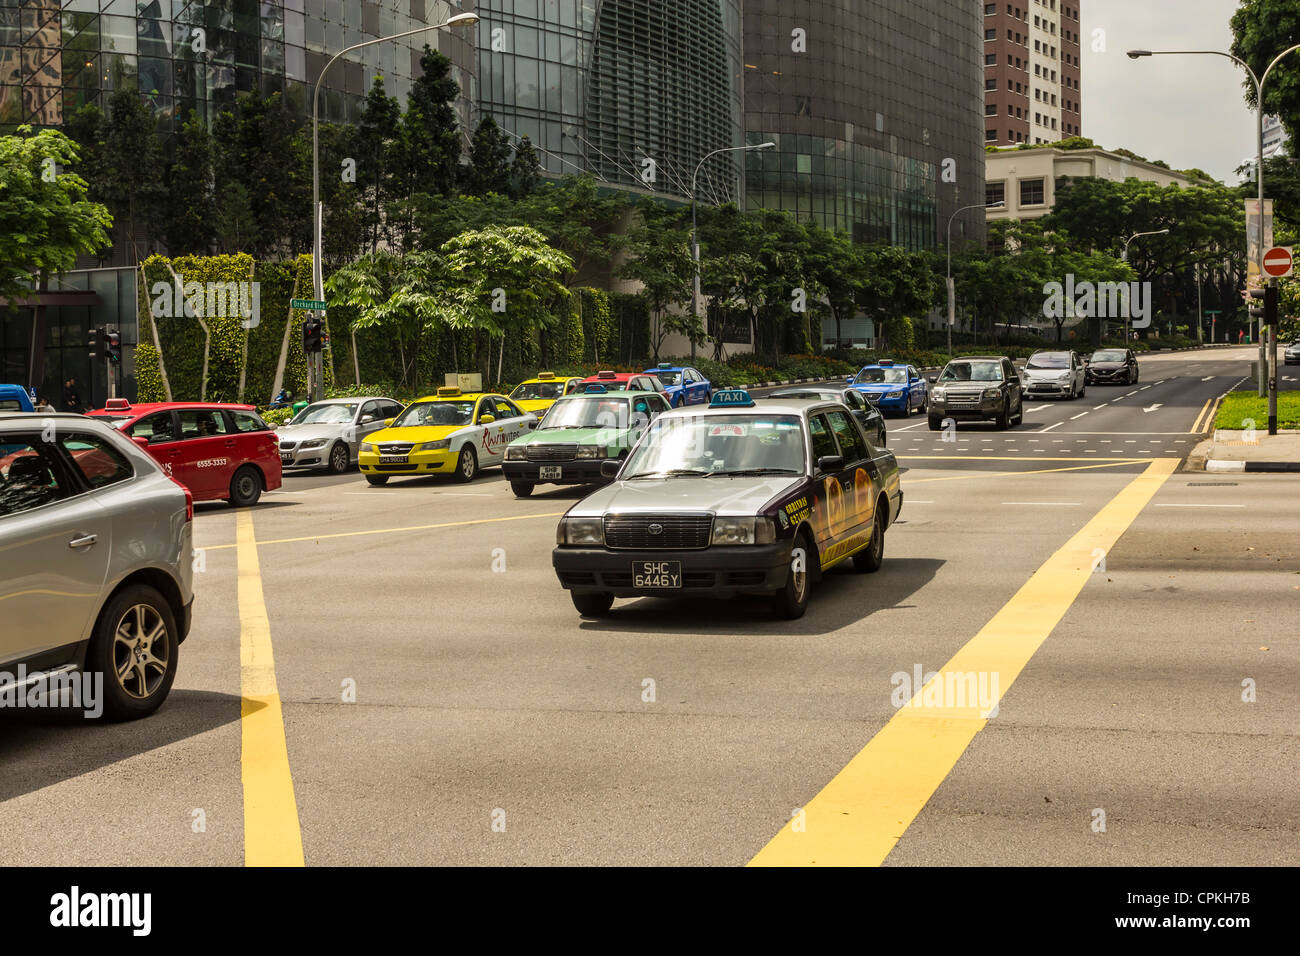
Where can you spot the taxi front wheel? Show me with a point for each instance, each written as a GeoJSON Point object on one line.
{"type": "Point", "coordinates": [792, 600]}
{"type": "Point", "coordinates": [522, 489]}
{"type": "Point", "coordinates": [591, 604]}
{"type": "Point", "coordinates": [466, 464]}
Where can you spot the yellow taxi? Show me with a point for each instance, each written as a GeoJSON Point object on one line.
{"type": "Point", "coordinates": [451, 433]}
{"type": "Point", "coordinates": [539, 394]}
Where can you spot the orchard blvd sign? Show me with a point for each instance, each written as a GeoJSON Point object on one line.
{"type": "Point", "coordinates": [207, 300]}
{"type": "Point", "coordinates": [1101, 300]}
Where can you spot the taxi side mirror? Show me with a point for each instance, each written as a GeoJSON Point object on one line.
{"type": "Point", "coordinates": [367, 419]}
{"type": "Point", "coordinates": [830, 463]}
{"type": "Point", "coordinates": [486, 419]}
{"type": "Point", "coordinates": [388, 422]}
{"type": "Point", "coordinates": [609, 468]}
{"type": "Point", "coordinates": [932, 379]}
{"type": "Point", "coordinates": [141, 441]}
{"type": "Point", "coordinates": [532, 425]}
{"type": "Point", "coordinates": [848, 380]}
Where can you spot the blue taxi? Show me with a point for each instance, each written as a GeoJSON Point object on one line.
{"type": "Point", "coordinates": [683, 385]}
{"type": "Point", "coordinates": [891, 387]}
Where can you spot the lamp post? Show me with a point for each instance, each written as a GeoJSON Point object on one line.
{"type": "Point", "coordinates": [952, 292]}
{"type": "Point", "coordinates": [317, 269]}
{"type": "Point", "coordinates": [695, 244]}
{"type": "Point", "coordinates": [1124, 258]}
{"type": "Point", "coordinates": [1259, 181]}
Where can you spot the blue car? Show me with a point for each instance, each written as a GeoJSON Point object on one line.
{"type": "Point", "coordinates": [683, 385]}
{"type": "Point", "coordinates": [892, 388]}
{"type": "Point", "coordinates": [14, 398]}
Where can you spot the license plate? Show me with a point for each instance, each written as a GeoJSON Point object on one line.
{"type": "Point", "coordinates": [656, 574]}
{"type": "Point", "coordinates": [286, 459]}
{"type": "Point", "coordinates": [392, 459]}
{"type": "Point", "coordinates": [551, 472]}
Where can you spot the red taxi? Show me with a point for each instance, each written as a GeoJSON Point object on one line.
{"type": "Point", "coordinates": [216, 450]}
{"type": "Point", "coordinates": [625, 382]}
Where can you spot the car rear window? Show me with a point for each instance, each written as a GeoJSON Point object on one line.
{"type": "Point", "coordinates": [28, 476]}
{"type": "Point", "coordinates": [248, 422]}
{"type": "Point", "coordinates": [98, 461]}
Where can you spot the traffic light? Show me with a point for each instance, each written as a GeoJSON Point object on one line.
{"type": "Point", "coordinates": [311, 336]}
{"type": "Point", "coordinates": [114, 341]}
{"type": "Point", "coordinates": [1255, 310]}
{"type": "Point", "coordinates": [94, 341]}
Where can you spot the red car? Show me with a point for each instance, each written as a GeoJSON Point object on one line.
{"type": "Point", "coordinates": [216, 450]}
{"type": "Point", "coordinates": [625, 382]}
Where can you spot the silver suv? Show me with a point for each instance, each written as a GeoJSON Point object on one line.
{"type": "Point", "coordinates": [96, 573]}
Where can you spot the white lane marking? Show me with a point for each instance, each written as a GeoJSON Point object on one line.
{"type": "Point", "coordinates": [1090, 451]}
{"type": "Point", "coordinates": [1130, 441]}
{"type": "Point", "coordinates": [1039, 408]}
{"type": "Point", "coordinates": [908, 428]}
{"type": "Point", "coordinates": [1152, 408]}
{"type": "Point", "coordinates": [1208, 378]}
{"type": "Point", "coordinates": [1144, 388]}
{"type": "Point", "coordinates": [1080, 415]}
{"type": "Point", "coordinates": [1102, 405]}
{"type": "Point", "coordinates": [1061, 504]}
{"type": "Point", "coordinates": [1134, 392]}
{"type": "Point", "coordinates": [1198, 506]}
{"type": "Point", "coordinates": [1050, 427]}
{"type": "Point", "coordinates": [986, 439]}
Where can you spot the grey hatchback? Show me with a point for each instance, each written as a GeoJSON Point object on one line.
{"type": "Point", "coordinates": [96, 552]}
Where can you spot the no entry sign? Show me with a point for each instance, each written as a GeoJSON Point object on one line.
{"type": "Point", "coordinates": [1278, 262]}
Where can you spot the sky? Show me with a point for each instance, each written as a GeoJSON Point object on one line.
{"type": "Point", "coordinates": [1185, 110]}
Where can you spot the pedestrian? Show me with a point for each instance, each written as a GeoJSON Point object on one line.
{"type": "Point", "coordinates": [71, 400]}
{"type": "Point", "coordinates": [45, 407]}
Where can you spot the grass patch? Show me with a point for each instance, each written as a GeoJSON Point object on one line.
{"type": "Point", "coordinates": [1240, 406]}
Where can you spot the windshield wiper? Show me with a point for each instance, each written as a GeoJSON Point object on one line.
{"type": "Point", "coordinates": [672, 473]}
{"type": "Point", "coordinates": [756, 471]}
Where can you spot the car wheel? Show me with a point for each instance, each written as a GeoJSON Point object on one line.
{"type": "Point", "coordinates": [134, 648]}
{"type": "Point", "coordinates": [466, 464]}
{"type": "Point", "coordinates": [1020, 413]}
{"type": "Point", "coordinates": [377, 480]}
{"type": "Point", "coordinates": [884, 439]}
{"type": "Point", "coordinates": [1003, 420]}
{"type": "Point", "coordinates": [1083, 391]}
{"type": "Point", "coordinates": [870, 558]}
{"type": "Point", "coordinates": [935, 423]}
{"type": "Point", "coordinates": [792, 600]}
{"type": "Point", "coordinates": [592, 604]}
{"type": "Point", "coordinates": [339, 459]}
{"type": "Point", "coordinates": [245, 487]}
{"type": "Point", "coordinates": [522, 489]}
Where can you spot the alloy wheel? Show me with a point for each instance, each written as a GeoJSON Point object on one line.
{"type": "Point", "coordinates": [138, 641]}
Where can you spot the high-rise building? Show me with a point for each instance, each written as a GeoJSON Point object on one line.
{"type": "Point", "coordinates": [1275, 138]}
{"type": "Point", "coordinates": [1031, 72]}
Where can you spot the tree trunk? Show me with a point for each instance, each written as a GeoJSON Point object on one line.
{"type": "Point", "coordinates": [284, 344]}
{"type": "Point", "coordinates": [157, 344]}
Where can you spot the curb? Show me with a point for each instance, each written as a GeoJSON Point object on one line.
{"type": "Point", "coordinates": [1222, 465]}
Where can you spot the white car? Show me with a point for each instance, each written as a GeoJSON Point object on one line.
{"type": "Point", "coordinates": [1054, 374]}
{"type": "Point", "coordinates": [328, 434]}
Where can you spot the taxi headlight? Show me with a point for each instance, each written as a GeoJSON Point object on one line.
{"type": "Point", "coordinates": [516, 453]}
{"type": "Point", "coordinates": [743, 531]}
{"type": "Point", "coordinates": [895, 394]}
{"type": "Point", "coordinates": [442, 445]}
{"type": "Point", "coordinates": [590, 451]}
{"type": "Point", "coordinates": [580, 531]}
{"type": "Point", "coordinates": [991, 393]}
{"type": "Point", "coordinates": [314, 443]}
{"type": "Point", "coordinates": [367, 446]}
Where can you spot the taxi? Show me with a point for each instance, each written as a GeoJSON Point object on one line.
{"type": "Point", "coordinates": [635, 381]}
{"type": "Point", "coordinates": [577, 434]}
{"type": "Point", "coordinates": [891, 387]}
{"type": "Point", "coordinates": [536, 395]}
{"type": "Point", "coordinates": [685, 385]}
{"type": "Point", "coordinates": [451, 433]}
{"type": "Point", "coordinates": [732, 499]}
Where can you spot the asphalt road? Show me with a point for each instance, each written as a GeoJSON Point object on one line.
{"type": "Point", "coordinates": [492, 725]}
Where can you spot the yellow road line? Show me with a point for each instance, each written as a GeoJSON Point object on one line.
{"type": "Point", "coordinates": [965, 476]}
{"type": "Point", "coordinates": [859, 816]}
{"type": "Point", "coordinates": [1196, 425]}
{"type": "Point", "coordinates": [272, 836]}
{"type": "Point", "coordinates": [414, 527]}
{"type": "Point", "coordinates": [1029, 458]}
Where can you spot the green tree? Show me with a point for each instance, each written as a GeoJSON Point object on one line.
{"type": "Point", "coordinates": [1262, 29]}
{"type": "Point", "coordinates": [428, 152]}
{"type": "Point", "coordinates": [657, 244]}
{"type": "Point", "coordinates": [189, 205]}
{"type": "Point", "coordinates": [525, 168]}
{"type": "Point", "coordinates": [489, 160]}
{"type": "Point", "coordinates": [45, 219]}
{"type": "Point", "coordinates": [378, 132]}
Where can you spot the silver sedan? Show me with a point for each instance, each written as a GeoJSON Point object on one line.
{"type": "Point", "coordinates": [328, 434]}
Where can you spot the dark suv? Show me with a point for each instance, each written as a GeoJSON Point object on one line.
{"type": "Point", "coordinates": [1112, 367]}
{"type": "Point", "coordinates": [976, 388]}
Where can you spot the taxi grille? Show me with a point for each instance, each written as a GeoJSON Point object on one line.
{"type": "Point", "coordinates": [552, 452]}
{"type": "Point", "coordinates": [396, 447]}
{"type": "Point", "coordinates": [673, 532]}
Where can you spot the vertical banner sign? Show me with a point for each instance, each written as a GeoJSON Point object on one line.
{"type": "Point", "coordinates": [1252, 239]}
{"type": "Point", "coordinates": [952, 301]}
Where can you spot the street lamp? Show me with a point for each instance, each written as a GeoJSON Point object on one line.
{"type": "Point", "coordinates": [695, 244]}
{"type": "Point", "coordinates": [952, 292]}
{"type": "Point", "coordinates": [1123, 256]}
{"type": "Point", "coordinates": [317, 269]}
{"type": "Point", "coordinates": [1259, 178]}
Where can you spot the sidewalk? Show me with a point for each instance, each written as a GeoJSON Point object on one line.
{"type": "Point", "coordinates": [1228, 450]}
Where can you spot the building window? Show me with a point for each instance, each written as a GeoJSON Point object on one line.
{"type": "Point", "coordinates": [992, 83]}
{"type": "Point", "coordinates": [990, 34]}
{"type": "Point", "coordinates": [995, 192]}
{"type": "Point", "coordinates": [1038, 94]}
{"type": "Point", "coordinates": [990, 59]}
{"type": "Point", "coordinates": [990, 109]}
{"type": "Point", "coordinates": [1031, 191]}
{"type": "Point", "coordinates": [990, 9]}
{"type": "Point", "coordinates": [990, 135]}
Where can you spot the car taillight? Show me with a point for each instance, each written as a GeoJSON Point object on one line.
{"type": "Point", "coordinates": [189, 498]}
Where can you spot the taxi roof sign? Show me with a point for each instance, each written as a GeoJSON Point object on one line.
{"type": "Point", "coordinates": [731, 398]}
{"type": "Point", "coordinates": [594, 389]}
{"type": "Point", "coordinates": [545, 376]}
{"type": "Point", "coordinates": [448, 391]}
{"type": "Point", "coordinates": [117, 404]}
{"type": "Point", "coordinates": [885, 363]}
{"type": "Point", "coordinates": [665, 364]}
{"type": "Point", "coordinates": [606, 374]}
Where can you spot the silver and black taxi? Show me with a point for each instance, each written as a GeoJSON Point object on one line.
{"type": "Point", "coordinates": [734, 498]}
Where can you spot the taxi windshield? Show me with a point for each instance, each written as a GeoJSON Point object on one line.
{"type": "Point", "coordinates": [325, 414]}
{"type": "Point", "coordinates": [577, 412]}
{"type": "Point", "coordinates": [436, 413]}
{"type": "Point", "coordinates": [608, 384]}
{"type": "Point", "coordinates": [719, 445]}
{"type": "Point", "coordinates": [670, 378]}
{"type": "Point", "coordinates": [972, 372]}
{"type": "Point", "coordinates": [535, 390]}
{"type": "Point", "coordinates": [876, 376]}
